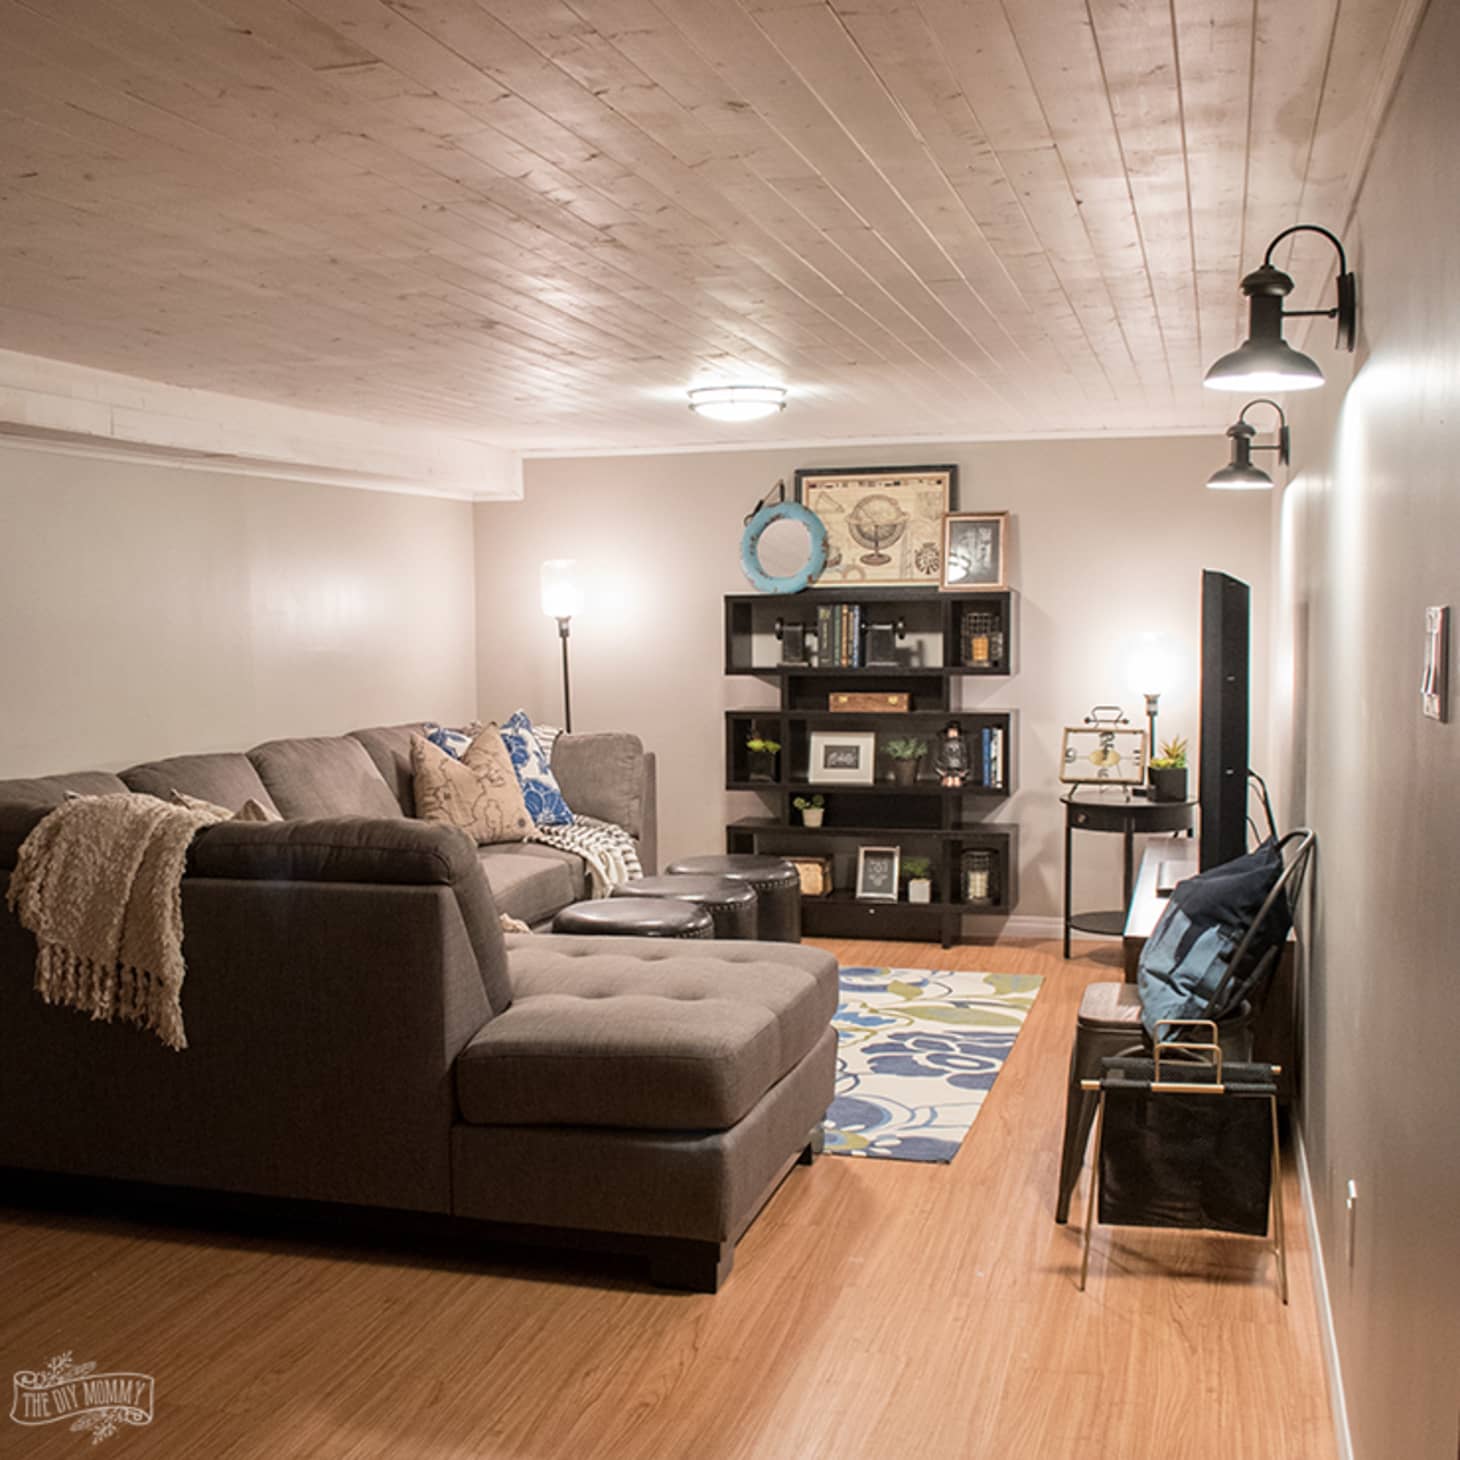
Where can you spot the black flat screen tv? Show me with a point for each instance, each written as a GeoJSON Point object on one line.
{"type": "Point", "coordinates": [1226, 611]}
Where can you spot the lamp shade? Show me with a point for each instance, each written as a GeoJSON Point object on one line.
{"type": "Point", "coordinates": [1153, 664]}
{"type": "Point", "coordinates": [562, 597]}
{"type": "Point", "coordinates": [1264, 360]}
{"type": "Point", "coordinates": [1258, 365]}
{"type": "Point", "coordinates": [737, 402]}
{"type": "Point", "coordinates": [1233, 478]}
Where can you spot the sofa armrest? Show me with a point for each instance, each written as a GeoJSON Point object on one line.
{"type": "Point", "coordinates": [323, 1022]}
{"type": "Point", "coordinates": [358, 850]}
{"type": "Point", "coordinates": [649, 837]}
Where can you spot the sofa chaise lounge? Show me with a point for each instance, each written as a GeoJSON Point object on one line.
{"type": "Point", "coordinates": [361, 1031]}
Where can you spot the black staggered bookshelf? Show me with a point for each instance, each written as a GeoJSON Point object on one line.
{"type": "Point", "coordinates": [934, 641]}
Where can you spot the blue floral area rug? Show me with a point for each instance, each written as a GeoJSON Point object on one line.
{"type": "Point", "coordinates": [917, 1053]}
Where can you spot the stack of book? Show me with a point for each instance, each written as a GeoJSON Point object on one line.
{"type": "Point", "coordinates": [839, 636]}
{"type": "Point", "coordinates": [991, 741]}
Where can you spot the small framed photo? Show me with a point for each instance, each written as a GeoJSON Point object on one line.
{"type": "Point", "coordinates": [975, 551]}
{"type": "Point", "coordinates": [877, 869]}
{"type": "Point", "coordinates": [844, 757]}
{"type": "Point", "coordinates": [815, 874]}
{"type": "Point", "coordinates": [1102, 755]}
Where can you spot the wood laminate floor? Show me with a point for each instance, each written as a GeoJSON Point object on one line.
{"type": "Point", "coordinates": [877, 1309]}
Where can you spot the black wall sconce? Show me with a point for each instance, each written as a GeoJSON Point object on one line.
{"type": "Point", "coordinates": [1239, 474]}
{"type": "Point", "coordinates": [1264, 360]}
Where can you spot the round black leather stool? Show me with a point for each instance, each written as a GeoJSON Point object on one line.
{"type": "Point", "coordinates": [777, 887]}
{"type": "Point", "coordinates": [730, 904]}
{"type": "Point", "coordinates": [635, 917]}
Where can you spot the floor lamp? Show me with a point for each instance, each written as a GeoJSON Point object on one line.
{"type": "Point", "coordinates": [561, 599]}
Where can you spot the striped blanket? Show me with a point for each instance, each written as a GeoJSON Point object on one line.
{"type": "Point", "coordinates": [608, 850]}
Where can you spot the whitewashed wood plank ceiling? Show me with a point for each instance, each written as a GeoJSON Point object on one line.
{"type": "Point", "coordinates": [537, 222]}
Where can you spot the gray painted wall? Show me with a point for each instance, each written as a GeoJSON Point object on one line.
{"type": "Point", "coordinates": [155, 610]}
{"type": "Point", "coordinates": [1370, 528]}
{"type": "Point", "coordinates": [1108, 540]}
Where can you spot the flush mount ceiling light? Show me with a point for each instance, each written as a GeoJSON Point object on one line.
{"type": "Point", "coordinates": [1264, 360]}
{"type": "Point", "coordinates": [737, 402]}
{"type": "Point", "coordinates": [1239, 474]}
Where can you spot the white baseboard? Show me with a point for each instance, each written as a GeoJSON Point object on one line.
{"type": "Point", "coordinates": [1339, 1404]}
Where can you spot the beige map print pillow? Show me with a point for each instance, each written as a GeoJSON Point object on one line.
{"type": "Point", "coordinates": [478, 793]}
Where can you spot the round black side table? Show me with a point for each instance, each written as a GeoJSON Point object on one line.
{"type": "Point", "coordinates": [1127, 818]}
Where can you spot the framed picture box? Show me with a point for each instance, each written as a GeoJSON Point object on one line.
{"type": "Point", "coordinates": [877, 869]}
{"type": "Point", "coordinates": [842, 757]}
{"type": "Point", "coordinates": [975, 551]}
{"type": "Point", "coordinates": [884, 524]}
{"type": "Point", "coordinates": [1103, 755]}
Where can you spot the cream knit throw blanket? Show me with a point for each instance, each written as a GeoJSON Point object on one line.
{"type": "Point", "coordinates": [99, 883]}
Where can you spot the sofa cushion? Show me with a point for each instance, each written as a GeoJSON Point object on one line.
{"type": "Point", "coordinates": [531, 887]}
{"type": "Point", "coordinates": [51, 790]}
{"type": "Point", "coordinates": [477, 793]}
{"type": "Point", "coordinates": [226, 780]}
{"type": "Point", "coordinates": [389, 746]}
{"type": "Point", "coordinates": [312, 779]}
{"type": "Point", "coordinates": [627, 1032]}
{"type": "Point", "coordinates": [24, 803]}
{"type": "Point", "coordinates": [602, 775]}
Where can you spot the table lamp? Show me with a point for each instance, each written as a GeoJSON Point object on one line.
{"type": "Point", "coordinates": [1152, 668]}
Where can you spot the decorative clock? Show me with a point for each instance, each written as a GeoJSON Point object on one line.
{"type": "Point", "coordinates": [1103, 752]}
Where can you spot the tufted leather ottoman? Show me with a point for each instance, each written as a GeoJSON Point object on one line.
{"type": "Point", "coordinates": [731, 904]}
{"type": "Point", "coordinates": [635, 917]}
{"type": "Point", "coordinates": [777, 889]}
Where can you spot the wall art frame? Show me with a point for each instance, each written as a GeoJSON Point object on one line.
{"type": "Point", "coordinates": [843, 757]}
{"type": "Point", "coordinates": [975, 552]}
{"type": "Point", "coordinates": [884, 524]}
{"type": "Point", "coordinates": [877, 869]}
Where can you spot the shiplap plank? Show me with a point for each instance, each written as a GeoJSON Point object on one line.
{"type": "Point", "coordinates": [542, 217]}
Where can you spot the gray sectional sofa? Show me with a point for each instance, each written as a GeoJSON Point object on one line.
{"type": "Point", "coordinates": [361, 1031]}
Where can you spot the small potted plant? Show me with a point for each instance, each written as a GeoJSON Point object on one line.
{"type": "Point", "coordinates": [917, 872]}
{"type": "Point", "coordinates": [761, 761]}
{"type": "Point", "coordinates": [1168, 772]}
{"type": "Point", "coordinates": [906, 754]}
{"type": "Point", "coordinates": [812, 809]}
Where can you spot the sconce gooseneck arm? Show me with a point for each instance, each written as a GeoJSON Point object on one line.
{"type": "Point", "coordinates": [1333, 238]}
{"type": "Point", "coordinates": [1264, 401]}
{"type": "Point", "coordinates": [1283, 445]}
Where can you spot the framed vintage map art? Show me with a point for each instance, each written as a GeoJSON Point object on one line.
{"type": "Point", "coordinates": [1103, 755]}
{"type": "Point", "coordinates": [884, 524]}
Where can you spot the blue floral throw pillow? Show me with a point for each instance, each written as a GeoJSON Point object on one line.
{"type": "Point", "coordinates": [453, 742]}
{"type": "Point", "coordinates": [540, 789]}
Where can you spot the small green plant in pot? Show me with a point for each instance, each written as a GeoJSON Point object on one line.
{"type": "Point", "coordinates": [906, 754]}
{"type": "Point", "coordinates": [1167, 772]}
{"type": "Point", "coordinates": [761, 757]}
{"type": "Point", "coordinates": [917, 873]}
{"type": "Point", "coordinates": [812, 809]}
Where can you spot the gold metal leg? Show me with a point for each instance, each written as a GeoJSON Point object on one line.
{"type": "Point", "coordinates": [1090, 1200]}
{"type": "Point", "coordinates": [1279, 1233]}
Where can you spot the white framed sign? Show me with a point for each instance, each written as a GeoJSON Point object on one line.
{"type": "Point", "coordinates": [1103, 755]}
{"type": "Point", "coordinates": [877, 869]}
{"type": "Point", "coordinates": [842, 757]}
